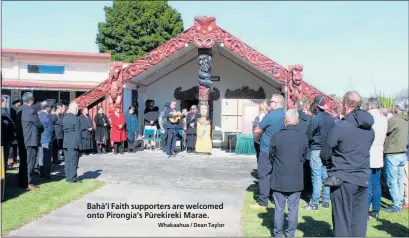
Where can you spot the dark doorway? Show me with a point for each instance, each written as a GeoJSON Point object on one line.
{"type": "Point", "coordinates": [188, 103]}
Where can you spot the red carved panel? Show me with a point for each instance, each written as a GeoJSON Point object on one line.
{"type": "Point", "coordinates": [309, 92]}
{"type": "Point", "coordinates": [205, 31]}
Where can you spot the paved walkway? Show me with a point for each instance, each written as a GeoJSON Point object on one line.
{"type": "Point", "coordinates": [150, 177]}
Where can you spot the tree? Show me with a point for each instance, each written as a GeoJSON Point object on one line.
{"type": "Point", "coordinates": [333, 95]}
{"type": "Point", "coordinates": [133, 28]}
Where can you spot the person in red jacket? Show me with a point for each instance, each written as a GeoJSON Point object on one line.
{"type": "Point", "coordinates": [118, 133]}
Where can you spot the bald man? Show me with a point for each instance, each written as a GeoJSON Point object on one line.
{"type": "Point", "coordinates": [346, 155]}
{"type": "Point", "coordinates": [288, 152]}
{"type": "Point", "coordinates": [271, 123]}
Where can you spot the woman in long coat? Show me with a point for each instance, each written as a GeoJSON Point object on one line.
{"type": "Point", "coordinates": [132, 129]}
{"type": "Point", "coordinates": [191, 127]}
{"type": "Point", "coordinates": [118, 134]}
{"type": "Point", "coordinates": [87, 142]}
{"type": "Point", "coordinates": [101, 131]}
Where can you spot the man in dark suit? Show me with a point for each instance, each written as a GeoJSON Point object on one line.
{"type": "Point", "coordinates": [32, 129]}
{"type": "Point", "coordinates": [171, 129]}
{"type": "Point", "coordinates": [288, 152]}
{"type": "Point", "coordinates": [13, 113]}
{"type": "Point", "coordinates": [47, 138]}
{"type": "Point", "coordinates": [71, 143]}
{"type": "Point", "coordinates": [7, 130]}
{"type": "Point", "coordinates": [59, 132]}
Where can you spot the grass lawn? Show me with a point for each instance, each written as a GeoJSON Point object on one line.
{"type": "Point", "coordinates": [22, 206]}
{"type": "Point", "coordinates": [258, 223]}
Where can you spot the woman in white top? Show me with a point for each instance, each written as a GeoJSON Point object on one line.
{"type": "Point", "coordinates": [262, 111]}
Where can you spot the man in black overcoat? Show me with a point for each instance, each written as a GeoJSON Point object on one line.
{"type": "Point", "coordinates": [71, 143]}
{"type": "Point", "coordinates": [288, 152]}
{"type": "Point", "coordinates": [87, 133]}
{"type": "Point", "coordinates": [31, 129]}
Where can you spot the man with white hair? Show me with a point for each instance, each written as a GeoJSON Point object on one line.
{"type": "Point", "coordinates": [288, 152]}
{"type": "Point", "coordinates": [271, 123]}
{"type": "Point", "coordinates": [380, 127]}
{"type": "Point", "coordinates": [395, 154]}
{"type": "Point", "coordinates": [71, 143]}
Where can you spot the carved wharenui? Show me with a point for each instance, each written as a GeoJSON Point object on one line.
{"type": "Point", "coordinates": [245, 93]}
{"type": "Point", "coordinates": [204, 34]}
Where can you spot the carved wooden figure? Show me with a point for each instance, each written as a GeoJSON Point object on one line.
{"type": "Point", "coordinates": [203, 131]}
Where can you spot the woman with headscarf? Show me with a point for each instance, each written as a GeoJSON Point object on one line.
{"type": "Point", "coordinates": [101, 131]}
{"type": "Point", "coordinates": [132, 129]}
{"type": "Point", "coordinates": [118, 133]}
{"type": "Point", "coordinates": [87, 142]}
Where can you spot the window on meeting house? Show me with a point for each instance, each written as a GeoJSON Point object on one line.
{"type": "Point", "coordinates": [45, 69]}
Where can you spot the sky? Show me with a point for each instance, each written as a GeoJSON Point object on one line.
{"type": "Point", "coordinates": [343, 46]}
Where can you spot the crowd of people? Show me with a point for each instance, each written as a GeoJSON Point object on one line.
{"type": "Point", "coordinates": [336, 156]}
{"type": "Point", "coordinates": [37, 135]}
{"type": "Point", "coordinates": [344, 156]}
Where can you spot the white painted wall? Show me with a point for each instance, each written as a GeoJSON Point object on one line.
{"type": "Point", "coordinates": [76, 72]}
{"type": "Point", "coordinates": [9, 69]}
{"type": "Point", "coordinates": [231, 75]}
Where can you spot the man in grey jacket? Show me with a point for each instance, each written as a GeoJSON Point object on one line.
{"type": "Point", "coordinates": [162, 122]}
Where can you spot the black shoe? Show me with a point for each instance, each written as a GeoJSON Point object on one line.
{"type": "Point", "coordinates": [76, 180]}
{"type": "Point", "coordinates": [325, 204]}
{"type": "Point", "coordinates": [46, 177]}
{"type": "Point", "coordinates": [374, 215]}
{"type": "Point", "coordinates": [392, 209]}
{"type": "Point", "coordinates": [311, 206]}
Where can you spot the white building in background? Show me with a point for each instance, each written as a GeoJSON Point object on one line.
{"type": "Point", "coordinates": [51, 74]}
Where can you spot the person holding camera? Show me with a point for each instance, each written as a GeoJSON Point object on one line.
{"type": "Point", "coordinates": [346, 155]}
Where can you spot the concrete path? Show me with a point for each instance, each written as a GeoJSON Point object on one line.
{"type": "Point", "coordinates": [150, 177]}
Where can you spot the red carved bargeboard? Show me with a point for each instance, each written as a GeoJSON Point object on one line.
{"type": "Point", "coordinates": [204, 34]}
